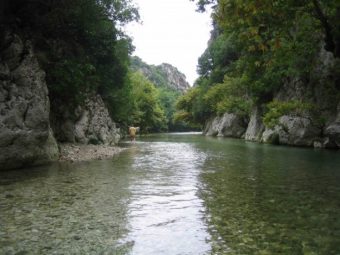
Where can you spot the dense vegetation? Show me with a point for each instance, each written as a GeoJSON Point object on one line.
{"type": "Point", "coordinates": [166, 93]}
{"type": "Point", "coordinates": [138, 104]}
{"type": "Point", "coordinates": [255, 47]}
{"type": "Point", "coordinates": [80, 45]}
{"type": "Point", "coordinates": [82, 48]}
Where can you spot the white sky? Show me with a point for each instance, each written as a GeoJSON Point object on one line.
{"type": "Point", "coordinates": [171, 32]}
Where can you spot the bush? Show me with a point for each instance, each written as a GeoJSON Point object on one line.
{"type": "Point", "coordinates": [229, 96]}
{"type": "Point", "coordinates": [276, 109]}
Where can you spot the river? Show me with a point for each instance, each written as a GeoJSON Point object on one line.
{"type": "Point", "coordinates": [177, 194]}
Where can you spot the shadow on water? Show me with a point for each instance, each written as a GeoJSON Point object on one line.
{"type": "Point", "coordinates": [177, 194]}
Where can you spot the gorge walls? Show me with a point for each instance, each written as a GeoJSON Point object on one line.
{"type": "Point", "coordinates": [29, 131]}
{"type": "Point", "coordinates": [311, 117]}
{"type": "Point", "coordinates": [26, 137]}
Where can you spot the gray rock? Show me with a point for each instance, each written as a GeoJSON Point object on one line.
{"type": "Point", "coordinates": [13, 53]}
{"type": "Point", "coordinates": [175, 78]}
{"type": "Point", "coordinates": [229, 125]}
{"type": "Point", "coordinates": [25, 136]}
{"type": "Point", "coordinates": [332, 132]}
{"type": "Point", "coordinates": [212, 126]}
{"type": "Point", "coordinates": [270, 136]}
{"type": "Point", "coordinates": [255, 126]}
{"type": "Point", "coordinates": [162, 75]}
{"type": "Point", "coordinates": [318, 144]}
{"type": "Point", "coordinates": [91, 124]}
{"type": "Point", "coordinates": [67, 131]}
{"type": "Point", "coordinates": [4, 70]}
{"type": "Point", "coordinates": [293, 130]}
{"type": "Point", "coordinates": [329, 143]}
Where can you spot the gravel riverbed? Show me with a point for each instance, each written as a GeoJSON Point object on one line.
{"type": "Point", "coordinates": [84, 152]}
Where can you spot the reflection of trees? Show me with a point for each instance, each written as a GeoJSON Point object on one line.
{"type": "Point", "coordinates": [265, 200]}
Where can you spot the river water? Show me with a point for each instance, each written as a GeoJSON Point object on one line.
{"type": "Point", "coordinates": [177, 194]}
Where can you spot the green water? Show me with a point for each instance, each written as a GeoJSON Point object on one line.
{"type": "Point", "coordinates": [177, 194]}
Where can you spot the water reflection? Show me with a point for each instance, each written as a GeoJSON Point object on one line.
{"type": "Point", "coordinates": [165, 214]}
{"type": "Point", "coordinates": [177, 194]}
{"type": "Point", "coordinates": [271, 200]}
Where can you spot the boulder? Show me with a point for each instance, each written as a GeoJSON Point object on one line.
{"type": "Point", "coordinates": [332, 132]}
{"type": "Point", "coordinates": [270, 136]}
{"type": "Point", "coordinates": [229, 125]}
{"type": "Point", "coordinates": [293, 130]}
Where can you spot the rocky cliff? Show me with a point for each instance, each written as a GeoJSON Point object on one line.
{"type": "Point", "coordinates": [316, 126]}
{"type": "Point", "coordinates": [26, 133]}
{"type": "Point", "coordinates": [164, 75]}
{"type": "Point", "coordinates": [228, 125]}
{"type": "Point", "coordinates": [87, 124]}
{"type": "Point", "coordinates": [175, 78]}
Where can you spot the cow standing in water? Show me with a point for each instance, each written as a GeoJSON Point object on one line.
{"type": "Point", "coordinates": [132, 133]}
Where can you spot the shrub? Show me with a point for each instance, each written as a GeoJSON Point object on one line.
{"type": "Point", "coordinates": [276, 109]}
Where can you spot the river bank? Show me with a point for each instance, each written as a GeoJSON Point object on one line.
{"type": "Point", "coordinates": [85, 152]}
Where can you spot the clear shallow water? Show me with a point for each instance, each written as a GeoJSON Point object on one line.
{"type": "Point", "coordinates": [177, 194]}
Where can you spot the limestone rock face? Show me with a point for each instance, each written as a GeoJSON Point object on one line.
{"type": "Point", "coordinates": [332, 132]}
{"type": "Point", "coordinates": [255, 126]}
{"type": "Point", "coordinates": [89, 124]}
{"type": "Point", "coordinates": [25, 135]}
{"type": "Point", "coordinates": [229, 125]}
{"type": "Point", "coordinates": [293, 130]}
{"type": "Point", "coordinates": [318, 125]}
{"type": "Point", "coordinates": [164, 75]}
{"type": "Point", "coordinates": [176, 79]}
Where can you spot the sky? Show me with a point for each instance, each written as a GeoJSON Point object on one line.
{"type": "Point", "coordinates": [171, 32]}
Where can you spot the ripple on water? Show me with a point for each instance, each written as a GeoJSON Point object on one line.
{"type": "Point", "coordinates": [189, 195]}
{"type": "Point", "coordinates": [143, 202]}
{"type": "Point", "coordinates": [165, 194]}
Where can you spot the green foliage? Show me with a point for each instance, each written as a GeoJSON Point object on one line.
{"type": "Point", "coordinates": [154, 73]}
{"type": "Point", "coordinates": [143, 108]}
{"type": "Point", "coordinates": [228, 97]}
{"type": "Point", "coordinates": [191, 108]}
{"type": "Point", "coordinates": [71, 81]}
{"type": "Point", "coordinates": [218, 57]}
{"type": "Point", "coordinates": [81, 46]}
{"type": "Point", "coordinates": [167, 95]}
{"type": "Point", "coordinates": [255, 47]}
{"type": "Point", "coordinates": [185, 104]}
{"type": "Point", "coordinates": [276, 109]}
{"type": "Point", "coordinates": [168, 99]}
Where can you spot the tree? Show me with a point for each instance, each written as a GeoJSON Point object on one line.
{"type": "Point", "coordinates": [80, 45]}
{"type": "Point", "coordinates": [255, 46]}
{"type": "Point", "coordinates": [147, 111]}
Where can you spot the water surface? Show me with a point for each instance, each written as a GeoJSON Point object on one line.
{"type": "Point", "coordinates": [177, 194]}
